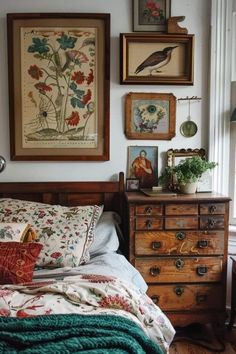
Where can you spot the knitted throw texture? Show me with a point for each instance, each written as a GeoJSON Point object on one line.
{"type": "Point", "coordinates": [72, 333]}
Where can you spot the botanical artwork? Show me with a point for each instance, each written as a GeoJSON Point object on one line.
{"type": "Point", "coordinates": [152, 12]}
{"type": "Point", "coordinates": [59, 87]}
{"type": "Point", "coordinates": [150, 116]}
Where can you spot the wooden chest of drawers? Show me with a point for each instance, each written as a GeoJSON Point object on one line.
{"type": "Point", "coordinates": [179, 245]}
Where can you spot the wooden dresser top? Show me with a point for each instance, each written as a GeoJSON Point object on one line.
{"type": "Point", "coordinates": [139, 197]}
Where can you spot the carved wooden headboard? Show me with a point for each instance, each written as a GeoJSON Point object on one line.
{"type": "Point", "coordinates": [108, 193]}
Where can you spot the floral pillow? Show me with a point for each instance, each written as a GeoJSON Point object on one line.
{"type": "Point", "coordinates": [17, 261]}
{"type": "Point", "coordinates": [65, 232]}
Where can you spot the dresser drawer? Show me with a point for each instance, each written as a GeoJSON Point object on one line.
{"type": "Point", "coordinates": [184, 297]}
{"type": "Point", "coordinates": [181, 223]}
{"type": "Point", "coordinates": [216, 222]}
{"type": "Point", "coordinates": [147, 209]}
{"type": "Point", "coordinates": [212, 208]}
{"type": "Point", "coordinates": [181, 209]}
{"type": "Point", "coordinates": [148, 223]}
{"type": "Point", "coordinates": [180, 269]}
{"type": "Point", "coordinates": [149, 243]}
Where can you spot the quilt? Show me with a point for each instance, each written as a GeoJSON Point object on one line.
{"type": "Point", "coordinates": [87, 294]}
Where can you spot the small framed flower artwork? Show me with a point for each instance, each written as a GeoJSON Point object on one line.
{"type": "Point", "coordinates": [151, 15]}
{"type": "Point", "coordinates": [59, 86]}
{"type": "Point", "coordinates": [150, 116]}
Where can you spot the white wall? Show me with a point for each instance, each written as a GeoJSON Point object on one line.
{"type": "Point", "coordinates": [197, 21]}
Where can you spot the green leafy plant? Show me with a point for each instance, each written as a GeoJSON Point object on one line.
{"type": "Point", "coordinates": [187, 171]}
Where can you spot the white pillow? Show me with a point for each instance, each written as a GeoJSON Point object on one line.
{"type": "Point", "coordinates": [65, 232]}
{"type": "Point", "coordinates": [106, 237]}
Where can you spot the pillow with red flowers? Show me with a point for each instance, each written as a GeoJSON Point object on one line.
{"type": "Point", "coordinates": [17, 261]}
{"type": "Point", "coordinates": [65, 232]}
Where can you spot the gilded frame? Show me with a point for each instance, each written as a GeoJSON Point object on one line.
{"type": "Point", "coordinates": [59, 86]}
{"type": "Point", "coordinates": [150, 116]}
{"type": "Point", "coordinates": [138, 49]}
{"type": "Point", "coordinates": [175, 155]}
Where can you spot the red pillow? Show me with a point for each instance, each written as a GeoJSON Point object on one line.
{"type": "Point", "coordinates": [17, 261]}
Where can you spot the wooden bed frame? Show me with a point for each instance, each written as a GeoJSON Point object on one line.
{"type": "Point", "coordinates": [108, 193]}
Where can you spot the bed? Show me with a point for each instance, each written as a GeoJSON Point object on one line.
{"type": "Point", "coordinates": [72, 289]}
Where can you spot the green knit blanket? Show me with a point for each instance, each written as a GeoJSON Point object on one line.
{"type": "Point", "coordinates": [72, 333]}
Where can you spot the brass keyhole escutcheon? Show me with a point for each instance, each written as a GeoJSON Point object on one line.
{"type": "Point", "coordinates": [179, 263]}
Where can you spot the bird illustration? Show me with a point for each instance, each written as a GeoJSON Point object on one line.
{"type": "Point", "coordinates": [156, 60]}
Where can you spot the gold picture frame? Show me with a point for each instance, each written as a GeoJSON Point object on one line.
{"type": "Point", "coordinates": [174, 156]}
{"type": "Point", "coordinates": [59, 86]}
{"type": "Point", "coordinates": [156, 59]}
{"type": "Point", "coordinates": [150, 116]}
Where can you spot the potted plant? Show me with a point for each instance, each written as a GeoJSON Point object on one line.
{"type": "Point", "coordinates": [186, 174]}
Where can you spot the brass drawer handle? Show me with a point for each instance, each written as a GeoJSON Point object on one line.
{"type": "Point", "coordinates": [180, 235]}
{"type": "Point", "coordinates": [212, 209]}
{"type": "Point", "coordinates": [155, 298]}
{"type": "Point", "coordinates": [156, 245]}
{"type": "Point", "coordinates": [148, 224]}
{"type": "Point", "coordinates": [179, 290]}
{"type": "Point", "coordinates": [154, 271]}
{"type": "Point", "coordinates": [200, 298]}
{"type": "Point", "coordinates": [203, 244]}
{"type": "Point", "coordinates": [148, 210]}
{"type": "Point", "coordinates": [202, 270]}
{"type": "Point", "coordinates": [179, 263]}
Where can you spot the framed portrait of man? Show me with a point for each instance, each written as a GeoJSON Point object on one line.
{"type": "Point", "coordinates": [143, 164]}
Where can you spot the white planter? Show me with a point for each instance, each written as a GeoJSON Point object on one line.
{"type": "Point", "coordinates": [188, 188]}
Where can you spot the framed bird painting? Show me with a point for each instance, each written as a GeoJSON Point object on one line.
{"type": "Point", "coordinates": [150, 58]}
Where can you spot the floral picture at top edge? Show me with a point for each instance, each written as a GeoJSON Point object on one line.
{"type": "Point", "coordinates": [150, 15]}
{"type": "Point", "coordinates": [152, 12]}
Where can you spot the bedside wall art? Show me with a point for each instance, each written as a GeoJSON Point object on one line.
{"type": "Point", "coordinates": [59, 86]}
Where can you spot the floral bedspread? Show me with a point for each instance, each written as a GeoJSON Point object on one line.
{"type": "Point", "coordinates": [87, 294]}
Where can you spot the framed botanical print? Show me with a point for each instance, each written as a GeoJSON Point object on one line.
{"type": "Point", "coordinates": [151, 15]}
{"type": "Point", "coordinates": [150, 116]}
{"type": "Point", "coordinates": [59, 86]}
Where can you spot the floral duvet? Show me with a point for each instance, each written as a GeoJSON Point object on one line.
{"type": "Point", "coordinates": [87, 294]}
